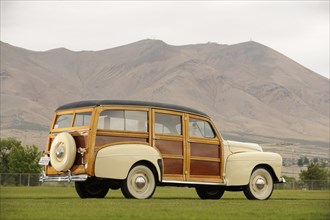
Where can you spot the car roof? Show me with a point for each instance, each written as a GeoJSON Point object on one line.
{"type": "Point", "coordinates": [94, 103]}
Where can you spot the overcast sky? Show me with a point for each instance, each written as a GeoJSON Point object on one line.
{"type": "Point", "coordinates": [298, 29]}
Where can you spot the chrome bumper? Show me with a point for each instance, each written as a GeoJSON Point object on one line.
{"type": "Point", "coordinates": [282, 180]}
{"type": "Point", "coordinates": [63, 178]}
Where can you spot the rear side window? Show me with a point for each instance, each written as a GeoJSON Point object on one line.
{"type": "Point", "coordinates": [123, 120]}
{"type": "Point", "coordinates": [82, 119]}
{"type": "Point", "coordinates": [63, 121]}
{"type": "Point", "coordinates": [168, 124]}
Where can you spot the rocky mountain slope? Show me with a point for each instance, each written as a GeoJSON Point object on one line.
{"type": "Point", "coordinates": [251, 91]}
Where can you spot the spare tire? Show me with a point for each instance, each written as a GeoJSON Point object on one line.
{"type": "Point", "coordinates": [63, 152]}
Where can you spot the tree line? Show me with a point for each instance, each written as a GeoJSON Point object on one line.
{"type": "Point", "coordinates": [15, 158]}
{"type": "Point", "coordinates": [303, 160]}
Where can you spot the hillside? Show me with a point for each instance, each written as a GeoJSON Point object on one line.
{"type": "Point", "coordinates": [251, 91]}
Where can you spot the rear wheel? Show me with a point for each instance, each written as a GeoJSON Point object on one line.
{"type": "Point", "coordinates": [210, 192]}
{"type": "Point", "coordinates": [140, 183]}
{"type": "Point", "coordinates": [261, 185]}
{"type": "Point", "coordinates": [92, 188]}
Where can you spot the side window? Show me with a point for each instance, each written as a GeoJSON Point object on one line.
{"type": "Point", "coordinates": [123, 120]}
{"type": "Point", "coordinates": [63, 121]}
{"type": "Point", "coordinates": [136, 121]}
{"type": "Point", "coordinates": [168, 124]}
{"type": "Point", "coordinates": [82, 119]}
{"type": "Point", "coordinates": [200, 128]}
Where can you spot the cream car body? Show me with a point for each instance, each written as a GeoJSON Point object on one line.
{"type": "Point", "coordinates": [243, 158]}
{"type": "Point", "coordinates": [136, 146]}
{"type": "Point", "coordinates": [122, 158]}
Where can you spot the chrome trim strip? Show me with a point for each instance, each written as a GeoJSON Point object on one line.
{"type": "Point", "coordinates": [64, 178]}
{"type": "Point", "coordinates": [195, 183]}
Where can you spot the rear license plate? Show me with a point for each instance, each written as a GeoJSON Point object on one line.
{"type": "Point", "coordinates": [44, 161]}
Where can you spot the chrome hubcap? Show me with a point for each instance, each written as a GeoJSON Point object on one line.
{"type": "Point", "coordinates": [260, 183]}
{"type": "Point", "coordinates": [140, 182]}
{"type": "Point", "coordinates": [60, 151]}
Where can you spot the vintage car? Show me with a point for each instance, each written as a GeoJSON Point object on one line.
{"type": "Point", "coordinates": [136, 146]}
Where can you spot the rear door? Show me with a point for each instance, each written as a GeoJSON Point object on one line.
{"type": "Point", "coordinates": [169, 139]}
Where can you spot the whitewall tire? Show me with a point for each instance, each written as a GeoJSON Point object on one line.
{"type": "Point", "coordinates": [260, 186]}
{"type": "Point", "coordinates": [140, 183]}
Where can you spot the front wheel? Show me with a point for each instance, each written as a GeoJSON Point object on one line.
{"type": "Point", "coordinates": [92, 188]}
{"type": "Point", "coordinates": [140, 183]}
{"type": "Point", "coordinates": [261, 185]}
{"type": "Point", "coordinates": [210, 192]}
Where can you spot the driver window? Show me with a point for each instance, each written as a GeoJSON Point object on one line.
{"type": "Point", "coordinates": [200, 128]}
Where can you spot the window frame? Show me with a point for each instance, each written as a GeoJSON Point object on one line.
{"type": "Point", "coordinates": [75, 117]}
{"type": "Point", "coordinates": [216, 137]}
{"type": "Point", "coordinates": [72, 112]}
{"type": "Point", "coordinates": [124, 130]}
{"type": "Point", "coordinates": [167, 112]}
{"type": "Point", "coordinates": [121, 133]}
{"type": "Point", "coordinates": [71, 115]}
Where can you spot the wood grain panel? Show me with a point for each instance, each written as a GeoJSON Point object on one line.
{"type": "Point", "coordinates": [81, 141]}
{"type": "Point", "coordinates": [173, 166]}
{"type": "Point", "coordinates": [204, 150]}
{"type": "Point", "coordinates": [103, 140]}
{"type": "Point", "coordinates": [204, 168]}
{"type": "Point", "coordinates": [170, 147]}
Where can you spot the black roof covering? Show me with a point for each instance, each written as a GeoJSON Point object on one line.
{"type": "Point", "coordinates": [93, 103]}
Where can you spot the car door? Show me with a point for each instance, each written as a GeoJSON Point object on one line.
{"type": "Point", "coordinates": [169, 139]}
{"type": "Point", "coordinates": [203, 151]}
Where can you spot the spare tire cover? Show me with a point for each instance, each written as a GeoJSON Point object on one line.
{"type": "Point", "coordinates": [63, 152]}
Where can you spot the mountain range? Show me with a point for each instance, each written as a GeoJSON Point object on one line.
{"type": "Point", "coordinates": [252, 92]}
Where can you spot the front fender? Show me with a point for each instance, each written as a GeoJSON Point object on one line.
{"type": "Point", "coordinates": [240, 166]}
{"type": "Point", "coordinates": [115, 161]}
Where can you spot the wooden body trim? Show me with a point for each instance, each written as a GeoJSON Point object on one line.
{"type": "Point", "coordinates": [185, 155]}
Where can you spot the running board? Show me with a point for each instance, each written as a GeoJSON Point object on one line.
{"type": "Point", "coordinates": [192, 183]}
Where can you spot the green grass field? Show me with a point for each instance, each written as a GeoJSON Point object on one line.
{"type": "Point", "coordinates": [167, 203]}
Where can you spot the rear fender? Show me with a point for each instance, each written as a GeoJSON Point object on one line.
{"type": "Point", "coordinates": [115, 161]}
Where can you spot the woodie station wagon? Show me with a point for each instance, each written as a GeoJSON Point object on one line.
{"type": "Point", "coordinates": [135, 146]}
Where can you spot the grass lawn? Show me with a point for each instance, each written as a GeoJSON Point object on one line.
{"type": "Point", "coordinates": [167, 203]}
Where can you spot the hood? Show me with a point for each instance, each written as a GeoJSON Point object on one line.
{"type": "Point", "coordinates": [236, 147]}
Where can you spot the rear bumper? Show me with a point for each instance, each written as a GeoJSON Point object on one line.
{"type": "Point", "coordinates": [63, 178]}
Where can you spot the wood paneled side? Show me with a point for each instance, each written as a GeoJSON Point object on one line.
{"type": "Point", "coordinates": [170, 147]}
{"type": "Point", "coordinates": [103, 140]}
{"type": "Point", "coordinates": [76, 169]}
{"type": "Point", "coordinates": [204, 150]}
{"type": "Point", "coordinates": [173, 166]}
{"type": "Point", "coordinates": [81, 141]}
{"type": "Point", "coordinates": [50, 141]}
{"type": "Point", "coordinates": [204, 168]}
